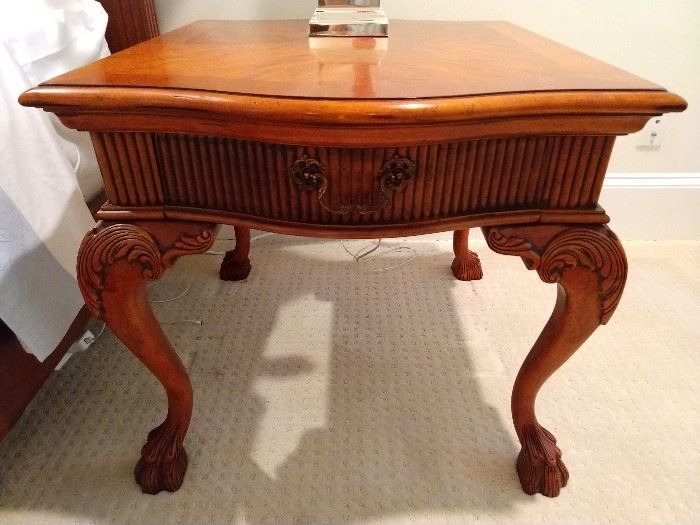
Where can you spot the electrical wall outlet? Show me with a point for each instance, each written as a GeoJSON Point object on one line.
{"type": "Point", "coordinates": [651, 136]}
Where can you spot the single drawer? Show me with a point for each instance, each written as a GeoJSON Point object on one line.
{"type": "Point", "coordinates": [323, 185]}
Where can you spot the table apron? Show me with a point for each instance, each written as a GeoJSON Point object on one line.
{"type": "Point", "coordinates": [421, 188]}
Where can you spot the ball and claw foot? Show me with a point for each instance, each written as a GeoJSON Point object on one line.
{"type": "Point", "coordinates": [539, 465]}
{"type": "Point", "coordinates": [163, 461]}
{"type": "Point", "coordinates": [233, 268]}
{"type": "Point", "coordinates": [467, 268]}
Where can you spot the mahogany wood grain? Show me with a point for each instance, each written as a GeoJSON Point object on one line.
{"type": "Point", "coordinates": [452, 126]}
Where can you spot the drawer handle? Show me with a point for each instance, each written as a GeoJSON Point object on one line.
{"type": "Point", "coordinates": [396, 173]}
{"type": "Point", "coordinates": [310, 175]}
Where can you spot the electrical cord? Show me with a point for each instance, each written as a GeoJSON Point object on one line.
{"type": "Point", "coordinates": [363, 255]}
{"type": "Point", "coordinates": [364, 252]}
{"type": "Point", "coordinates": [359, 257]}
{"type": "Point", "coordinates": [183, 294]}
{"type": "Point", "coordinates": [90, 340]}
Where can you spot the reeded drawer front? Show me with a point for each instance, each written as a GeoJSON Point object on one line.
{"type": "Point", "coordinates": [350, 185]}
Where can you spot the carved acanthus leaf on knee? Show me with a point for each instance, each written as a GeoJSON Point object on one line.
{"type": "Point", "coordinates": [589, 265]}
{"type": "Point", "coordinates": [104, 246]}
{"type": "Point", "coordinates": [595, 248]}
{"type": "Point", "coordinates": [113, 263]}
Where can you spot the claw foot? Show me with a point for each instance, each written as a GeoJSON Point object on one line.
{"type": "Point", "coordinates": [163, 461]}
{"type": "Point", "coordinates": [539, 465]}
{"type": "Point", "coordinates": [234, 269]}
{"type": "Point", "coordinates": [468, 268]}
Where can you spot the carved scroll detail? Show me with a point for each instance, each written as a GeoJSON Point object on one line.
{"type": "Point", "coordinates": [100, 249]}
{"type": "Point", "coordinates": [132, 243]}
{"type": "Point", "coordinates": [188, 245]}
{"type": "Point", "coordinates": [588, 263]}
{"type": "Point", "coordinates": [595, 248]}
{"type": "Point", "coordinates": [513, 245]}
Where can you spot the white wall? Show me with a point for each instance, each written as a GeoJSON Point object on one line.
{"type": "Point", "coordinates": [656, 39]}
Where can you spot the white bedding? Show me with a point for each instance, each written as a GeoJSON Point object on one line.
{"type": "Point", "coordinates": [43, 215]}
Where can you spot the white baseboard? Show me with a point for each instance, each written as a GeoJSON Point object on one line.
{"type": "Point", "coordinates": [646, 207]}
{"type": "Point", "coordinates": [659, 207]}
{"type": "Point", "coordinates": [643, 207]}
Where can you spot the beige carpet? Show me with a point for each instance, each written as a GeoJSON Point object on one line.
{"type": "Point", "coordinates": [326, 393]}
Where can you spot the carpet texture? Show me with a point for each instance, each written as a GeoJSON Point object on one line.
{"type": "Point", "coordinates": [328, 393]}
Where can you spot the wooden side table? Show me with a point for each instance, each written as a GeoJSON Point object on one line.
{"type": "Point", "coordinates": [442, 126]}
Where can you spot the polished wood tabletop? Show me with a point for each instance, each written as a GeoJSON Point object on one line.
{"type": "Point", "coordinates": [440, 73]}
{"type": "Point", "coordinates": [420, 60]}
{"type": "Point", "coordinates": [441, 126]}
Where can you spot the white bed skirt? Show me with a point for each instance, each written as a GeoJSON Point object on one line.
{"type": "Point", "coordinates": [43, 211]}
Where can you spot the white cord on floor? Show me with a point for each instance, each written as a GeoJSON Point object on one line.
{"type": "Point", "coordinates": [363, 255]}
{"type": "Point", "coordinates": [91, 340]}
{"type": "Point", "coordinates": [183, 294]}
{"type": "Point", "coordinates": [364, 252]}
{"type": "Point", "coordinates": [359, 257]}
{"type": "Point", "coordinates": [183, 321]}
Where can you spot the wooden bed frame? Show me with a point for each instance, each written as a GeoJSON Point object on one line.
{"type": "Point", "coordinates": [22, 374]}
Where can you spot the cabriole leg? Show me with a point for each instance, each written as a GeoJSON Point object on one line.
{"type": "Point", "coordinates": [236, 264]}
{"type": "Point", "coordinates": [466, 265]}
{"type": "Point", "coordinates": [114, 263]}
{"type": "Point", "coordinates": [589, 266]}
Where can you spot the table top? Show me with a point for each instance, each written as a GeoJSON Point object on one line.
{"type": "Point", "coordinates": [426, 82]}
{"type": "Point", "coordinates": [440, 125]}
{"type": "Point", "coordinates": [419, 60]}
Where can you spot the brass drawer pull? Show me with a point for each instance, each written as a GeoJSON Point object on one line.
{"type": "Point", "coordinates": [310, 175]}
{"type": "Point", "coordinates": [397, 173]}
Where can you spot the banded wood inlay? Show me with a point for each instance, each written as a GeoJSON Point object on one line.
{"type": "Point", "coordinates": [451, 179]}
